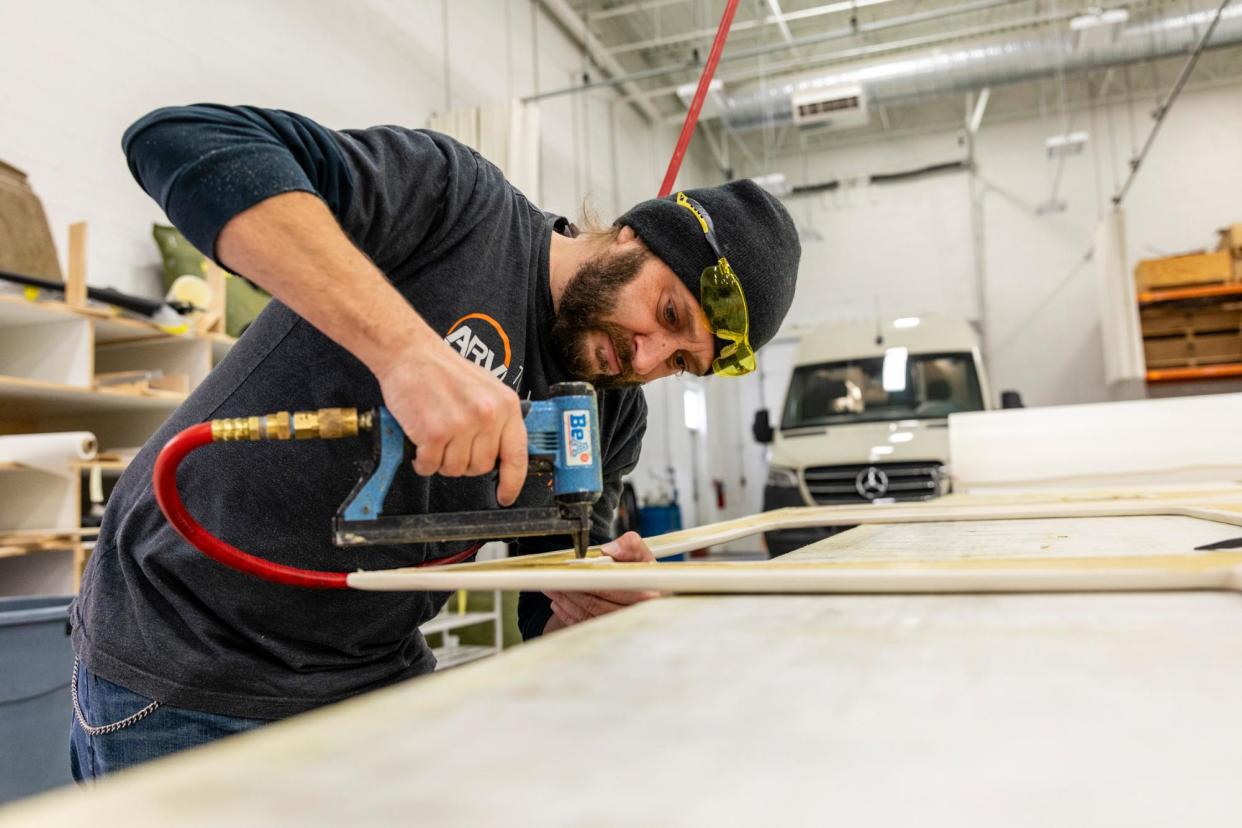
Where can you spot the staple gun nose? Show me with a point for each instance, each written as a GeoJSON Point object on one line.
{"type": "Point", "coordinates": [562, 441]}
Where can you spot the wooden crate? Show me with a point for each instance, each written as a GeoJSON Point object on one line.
{"type": "Point", "coordinates": [1190, 269]}
{"type": "Point", "coordinates": [1181, 319]}
{"type": "Point", "coordinates": [1192, 349]}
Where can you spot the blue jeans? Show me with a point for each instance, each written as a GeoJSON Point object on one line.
{"type": "Point", "coordinates": [146, 730]}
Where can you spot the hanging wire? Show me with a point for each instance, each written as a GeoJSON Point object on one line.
{"type": "Point", "coordinates": [1130, 108]}
{"type": "Point", "coordinates": [1162, 110]}
{"type": "Point", "coordinates": [1066, 118]}
{"type": "Point", "coordinates": [509, 46]}
{"type": "Point", "coordinates": [1092, 114]}
{"type": "Point", "coordinates": [1112, 136]}
{"type": "Point", "coordinates": [534, 45]}
{"type": "Point", "coordinates": [448, 68]}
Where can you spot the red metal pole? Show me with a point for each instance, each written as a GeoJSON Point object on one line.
{"type": "Point", "coordinates": [692, 117]}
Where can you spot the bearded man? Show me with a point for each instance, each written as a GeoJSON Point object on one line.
{"type": "Point", "coordinates": [392, 254]}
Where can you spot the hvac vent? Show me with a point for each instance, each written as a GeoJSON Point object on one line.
{"type": "Point", "coordinates": [838, 107]}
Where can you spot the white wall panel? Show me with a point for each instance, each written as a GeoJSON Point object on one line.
{"type": "Point", "coordinates": [1042, 312]}
{"type": "Point", "coordinates": [1151, 442]}
{"type": "Point", "coordinates": [88, 70]}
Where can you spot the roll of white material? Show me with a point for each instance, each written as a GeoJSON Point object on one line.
{"type": "Point", "coordinates": [1141, 442]}
{"type": "Point", "coordinates": [51, 453]}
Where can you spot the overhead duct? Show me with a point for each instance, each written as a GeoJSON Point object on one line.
{"type": "Point", "coordinates": [987, 63]}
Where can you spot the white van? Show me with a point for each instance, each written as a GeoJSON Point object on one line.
{"type": "Point", "coordinates": [866, 416]}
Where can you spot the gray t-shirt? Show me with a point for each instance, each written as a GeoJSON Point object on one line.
{"type": "Point", "coordinates": [470, 253]}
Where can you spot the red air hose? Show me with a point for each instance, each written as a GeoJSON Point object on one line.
{"type": "Point", "coordinates": [165, 483]}
{"type": "Point", "coordinates": [692, 117]}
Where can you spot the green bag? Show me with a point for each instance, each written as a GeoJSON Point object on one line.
{"type": "Point", "coordinates": [242, 300]}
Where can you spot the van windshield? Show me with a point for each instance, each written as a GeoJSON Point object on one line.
{"type": "Point", "coordinates": [896, 386]}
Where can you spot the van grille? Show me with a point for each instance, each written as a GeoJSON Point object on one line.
{"type": "Point", "coordinates": [831, 485]}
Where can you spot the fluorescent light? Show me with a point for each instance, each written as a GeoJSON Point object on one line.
{"type": "Point", "coordinates": [1070, 143]}
{"type": "Point", "coordinates": [906, 322]}
{"type": "Point", "coordinates": [713, 104]}
{"type": "Point", "coordinates": [900, 437]}
{"type": "Point", "coordinates": [695, 402]}
{"type": "Point", "coordinates": [774, 183]}
{"type": "Point", "coordinates": [894, 371]}
{"type": "Point", "coordinates": [686, 90]}
{"type": "Point", "coordinates": [1112, 17]}
{"type": "Point", "coordinates": [877, 451]}
{"type": "Point", "coordinates": [1097, 28]}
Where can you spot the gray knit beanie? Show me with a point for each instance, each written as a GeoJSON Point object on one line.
{"type": "Point", "coordinates": [754, 232]}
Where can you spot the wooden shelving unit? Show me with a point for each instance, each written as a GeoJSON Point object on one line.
{"type": "Point", "coordinates": [1192, 333]}
{"type": "Point", "coordinates": [1190, 307]}
{"type": "Point", "coordinates": [51, 355]}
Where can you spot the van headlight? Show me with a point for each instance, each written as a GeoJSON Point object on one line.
{"type": "Point", "coordinates": [780, 477]}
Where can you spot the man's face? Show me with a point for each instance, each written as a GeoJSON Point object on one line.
{"type": "Point", "coordinates": [626, 319]}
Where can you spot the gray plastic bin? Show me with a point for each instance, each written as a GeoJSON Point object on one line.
{"type": "Point", "coordinates": [35, 662]}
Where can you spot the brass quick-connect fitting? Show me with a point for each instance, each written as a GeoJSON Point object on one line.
{"type": "Point", "coordinates": [324, 424]}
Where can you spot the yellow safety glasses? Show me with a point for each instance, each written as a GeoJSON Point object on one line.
{"type": "Point", "coordinates": [724, 303]}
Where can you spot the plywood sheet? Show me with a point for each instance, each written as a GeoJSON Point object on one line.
{"type": "Point", "coordinates": [1050, 540]}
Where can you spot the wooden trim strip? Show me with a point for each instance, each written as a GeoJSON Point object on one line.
{"type": "Point", "coordinates": [561, 571]}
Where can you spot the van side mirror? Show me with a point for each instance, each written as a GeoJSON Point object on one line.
{"type": "Point", "coordinates": [1011, 399]}
{"type": "Point", "coordinates": [762, 427]}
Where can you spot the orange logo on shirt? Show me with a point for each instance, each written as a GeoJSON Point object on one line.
{"type": "Point", "coordinates": [478, 337]}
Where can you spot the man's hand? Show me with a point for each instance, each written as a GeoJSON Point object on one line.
{"type": "Point", "coordinates": [458, 416]}
{"type": "Point", "coordinates": [571, 607]}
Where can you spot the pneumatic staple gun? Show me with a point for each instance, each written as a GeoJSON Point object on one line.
{"type": "Point", "coordinates": [563, 441]}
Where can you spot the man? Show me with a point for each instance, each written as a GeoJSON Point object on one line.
{"type": "Point", "coordinates": [392, 254]}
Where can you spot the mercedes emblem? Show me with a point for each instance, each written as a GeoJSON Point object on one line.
{"type": "Point", "coordinates": [871, 483]}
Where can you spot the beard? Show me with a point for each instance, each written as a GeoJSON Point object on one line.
{"type": "Point", "coordinates": [588, 298]}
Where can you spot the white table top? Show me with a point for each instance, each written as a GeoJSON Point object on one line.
{"type": "Point", "coordinates": [1090, 709]}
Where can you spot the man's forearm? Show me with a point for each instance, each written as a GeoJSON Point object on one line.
{"type": "Point", "coordinates": [461, 418]}
{"type": "Point", "coordinates": [292, 246]}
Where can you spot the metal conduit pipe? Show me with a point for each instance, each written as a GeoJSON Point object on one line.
{"type": "Point", "coordinates": [626, 81]}
{"type": "Point", "coordinates": [989, 63]}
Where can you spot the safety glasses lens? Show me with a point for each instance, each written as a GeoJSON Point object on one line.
{"type": "Point", "coordinates": [724, 304]}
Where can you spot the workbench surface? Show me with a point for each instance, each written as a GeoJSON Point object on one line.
{"type": "Point", "coordinates": [1075, 709]}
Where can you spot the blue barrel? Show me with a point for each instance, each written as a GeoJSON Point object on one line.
{"type": "Point", "coordinates": [656, 520]}
{"type": "Point", "coordinates": [35, 663]}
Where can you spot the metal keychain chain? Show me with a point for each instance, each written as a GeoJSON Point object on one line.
{"type": "Point", "coordinates": [104, 730]}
